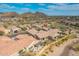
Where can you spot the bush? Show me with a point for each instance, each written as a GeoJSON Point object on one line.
{"type": "Point", "coordinates": [1, 33]}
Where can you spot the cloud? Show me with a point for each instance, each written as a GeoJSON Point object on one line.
{"type": "Point", "coordinates": [25, 9]}
{"type": "Point", "coordinates": [58, 12]}
{"type": "Point", "coordinates": [41, 4]}
{"type": "Point", "coordinates": [64, 7]}
{"type": "Point", "coordinates": [6, 6]}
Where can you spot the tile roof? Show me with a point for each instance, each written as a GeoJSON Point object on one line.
{"type": "Point", "coordinates": [51, 32]}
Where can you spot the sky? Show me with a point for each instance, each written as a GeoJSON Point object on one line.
{"type": "Point", "coordinates": [71, 9]}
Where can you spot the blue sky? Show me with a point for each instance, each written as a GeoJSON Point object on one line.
{"type": "Point", "coordinates": [47, 8]}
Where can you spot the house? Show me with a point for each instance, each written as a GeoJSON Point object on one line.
{"type": "Point", "coordinates": [10, 47]}
{"type": "Point", "coordinates": [54, 32]}
{"type": "Point", "coordinates": [37, 26]}
{"type": "Point", "coordinates": [32, 32]}
{"type": "Point", "coordinates": [43, 34]}
{"type": "Point", "coordinates": [45, 28]}
{"type": "Point", "coordinates": [15, 29]}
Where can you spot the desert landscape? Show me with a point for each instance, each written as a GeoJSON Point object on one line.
{"type": "Point", "coordinates": [38, 34]}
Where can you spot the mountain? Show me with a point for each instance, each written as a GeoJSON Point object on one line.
{"type": "Point", "coordinates": [27, 15]}
{"type": "Point", "coordinates": [40, 14]}
{"type": "Point", "coordinates": [37, 14]}
{"type": "Point", "coordinates": [12, 14]}
{"type": "Point", "coordinates": [9, 14]}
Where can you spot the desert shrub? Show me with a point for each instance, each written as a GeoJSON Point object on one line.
{"type": "Point", "coordinates": [1, 33]}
